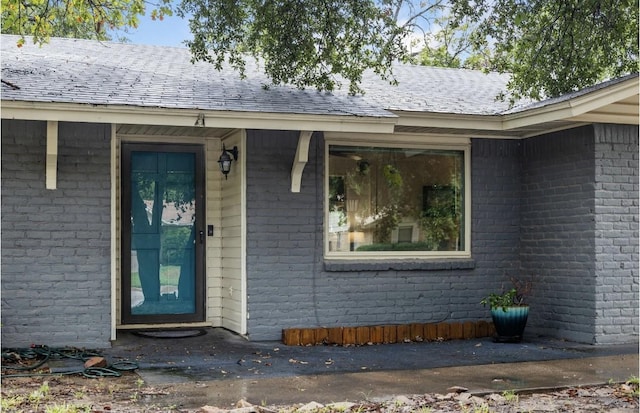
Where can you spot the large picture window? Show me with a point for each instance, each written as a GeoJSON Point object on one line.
{"type": "Point", "coordinates": [386, 201]}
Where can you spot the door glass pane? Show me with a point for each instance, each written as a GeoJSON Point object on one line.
{"type": "Point", "coordinates": [162, 233]}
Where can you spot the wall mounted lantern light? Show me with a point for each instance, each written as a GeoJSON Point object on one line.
{"type": "Point", "coordinates": [225, 160]}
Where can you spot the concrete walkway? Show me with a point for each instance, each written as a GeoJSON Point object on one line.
{"type": "Point", "coordinates": [220, 368]}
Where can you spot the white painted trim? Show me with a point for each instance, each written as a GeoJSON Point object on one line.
{"type": "Point", "coordinates": [161, 325]}
{"type": "Point", "coordinates": [449, 120]}
{"type": "Point", "coordinates": [51, 169]}
{"type": "Point", "coordinates": [397, 140]}
{"type": "Point", "coordinates": [198, 140]}
{"type": "Point", "coordinates": [188, 117]}
{"type": "Point", "coordinates": [573, 108]}
{"type": "Point", "coordinates": [114, 236]}
{"type": "Point", "coordinates": [116, 299]}
{"type": "Point", "coordinates": [467, 201]}
{"type": "Point", "coordinates": [612, 104]}
{"type": "Point", "coordinates": [410, 141]}
{"type": "Point", "coordinates": [596, 117]}
{"type": "Point", "coordinates": [300, 160]}
{"type": "Point", "coordinates": [602, 105]}
{"type": "Point", "coordinates": [399, 255]}
{"type": "Point", "coordinates": [243, 234]}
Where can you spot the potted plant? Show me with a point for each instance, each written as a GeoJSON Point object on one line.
{"type": "Point", "coordinates": [509, 312]}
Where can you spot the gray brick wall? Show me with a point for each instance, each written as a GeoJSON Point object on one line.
{"type": "Point", "coordinates": [561, 208]}
{"type": "Point", "coordinates": [287, 281]}
{"type": "Point", "coordinates": [557, 242]}
{"type": "Point", "coordinates": [495, 177]}
{"type": "Point", "coordinates": [616, 233]}
{"type": "Point", "coordinates": [55, 243]}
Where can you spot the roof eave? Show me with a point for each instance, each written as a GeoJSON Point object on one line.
{"type": "Point", "coordinates": [70, 112]}
{"type": "Point", "coordinates": [448, 120]}
{"type": "Point", "coordinates": [617, 103]}
{"type": "Point", "coordinates": [585, 108]}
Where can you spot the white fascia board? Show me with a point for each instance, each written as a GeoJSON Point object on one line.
{"type": "Point", "coordinates": [576, 108]}
{"type": "Point", "coordinates": [67, 112]}
{"type": "Point", "coordinates": [586, 108]}
{"type": "Point", "coordinates": [449, 120]}
{"type": "Point", "coordinates": [600, 117]}
{"type": "Point", "coordinates": [400, 139]}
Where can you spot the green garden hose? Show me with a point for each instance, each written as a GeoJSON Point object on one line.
{"type": "Point", "coordinates": [38, 355]}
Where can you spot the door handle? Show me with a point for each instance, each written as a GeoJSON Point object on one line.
{"type": "Point", "coordinates": [201, 237]}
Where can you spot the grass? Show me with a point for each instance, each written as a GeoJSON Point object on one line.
{"type": "Point", "coordinates": [67, 408]}
{"type": "Point", "coordinates": [510, 396]}
{"type": "Point", "coordinates": [38, 397]}
{"type": "Point", "coordinates": [169, 275]}
{"type": "Point", "coordinates": [633, 384]}
{"type": "Point", "coordinates": [10, 402]}
{"type": "Point", "coordinates": [482, 408]}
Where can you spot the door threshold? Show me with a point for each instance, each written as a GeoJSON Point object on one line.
{"type": "Point", "coordinates": [162, 326]}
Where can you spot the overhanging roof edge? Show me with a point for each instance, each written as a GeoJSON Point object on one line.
{"type": "Point", "coordinates": [573, 109]}
{"type": "Point", "coordinates": [573, 106]}
{"type": "Point", "coordinates": [69, 112]}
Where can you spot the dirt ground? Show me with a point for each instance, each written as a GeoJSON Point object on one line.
{"type": "Point", "coordinates": [72, 394]}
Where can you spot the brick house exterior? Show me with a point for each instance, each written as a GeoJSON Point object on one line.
{"type": "Point", "coordinates": [55, 244]}
{"type": "Point", "coordinates": [554, 201]}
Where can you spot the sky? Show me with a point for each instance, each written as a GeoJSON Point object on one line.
{"type": "Point", "coordinates": [171, 31]}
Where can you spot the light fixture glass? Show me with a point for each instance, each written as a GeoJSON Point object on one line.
{"type": "Point", "coordinates": [225, 159]}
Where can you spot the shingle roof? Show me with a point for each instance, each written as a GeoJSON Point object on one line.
{"type": "Point", "coordinates": [91, 72]}
{"type": "Point", "coordinates": [528, 105]}
{"type": "Point", "coordinates": [439, 90]}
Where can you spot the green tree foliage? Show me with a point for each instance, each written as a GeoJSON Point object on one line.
{"type": "Point", "coordinates": [552, 47]}
{"type": "Point", "coordinates": [318, 43]}
{"type": "Point", "coordinates": [89, 19]}
{"type": "Point", "coordinates": [456, 45]}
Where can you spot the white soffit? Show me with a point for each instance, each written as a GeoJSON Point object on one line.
{"type": "Point", "coordinates": [65, 112]}
{"type": "Point", "coordinates": [617, 103]}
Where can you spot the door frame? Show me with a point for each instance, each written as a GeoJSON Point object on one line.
{"type": "Point", "coordinates": [126, 318]}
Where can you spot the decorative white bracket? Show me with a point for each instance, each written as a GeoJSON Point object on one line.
{"type": "Point", "coordinates": [301, 159]}
{"type": "Point", "coordinates": [52, 155]}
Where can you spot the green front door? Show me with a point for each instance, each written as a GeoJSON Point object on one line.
{"type": "Point", "coordinates": [162, 234]}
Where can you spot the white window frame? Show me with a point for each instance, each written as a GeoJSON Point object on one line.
{"type": "Point", "coordinates": [404, 141]}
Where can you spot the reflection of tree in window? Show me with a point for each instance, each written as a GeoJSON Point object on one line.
{"type": "Point", "coordinates": [144, 222]}
{"type": "Point", "coordinates": [385, 193]}
{"type": "Point", "coordinates": [163, 232]}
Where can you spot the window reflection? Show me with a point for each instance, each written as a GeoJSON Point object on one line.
{"type": "Point", "coordinates": [392, 199]}
{"type": "Point", "coordinates": [163, 233]}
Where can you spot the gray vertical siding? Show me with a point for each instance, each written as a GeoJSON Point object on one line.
{"type": "Point", "coordinates": [55, 243]}
{"type": "Point", "coordinates": [616, 233]}
{"type": "Point", "coordinates": [557, 232]}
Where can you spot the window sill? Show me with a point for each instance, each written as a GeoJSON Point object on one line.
{"type": "Point", "coordinates": [399, 265]}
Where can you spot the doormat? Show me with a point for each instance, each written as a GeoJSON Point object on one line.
{"type": "Point", "coordinates": [172, 333]}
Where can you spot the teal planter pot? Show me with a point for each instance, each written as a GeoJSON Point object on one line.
{"type": "Point", "coordinates": [510, 322]}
